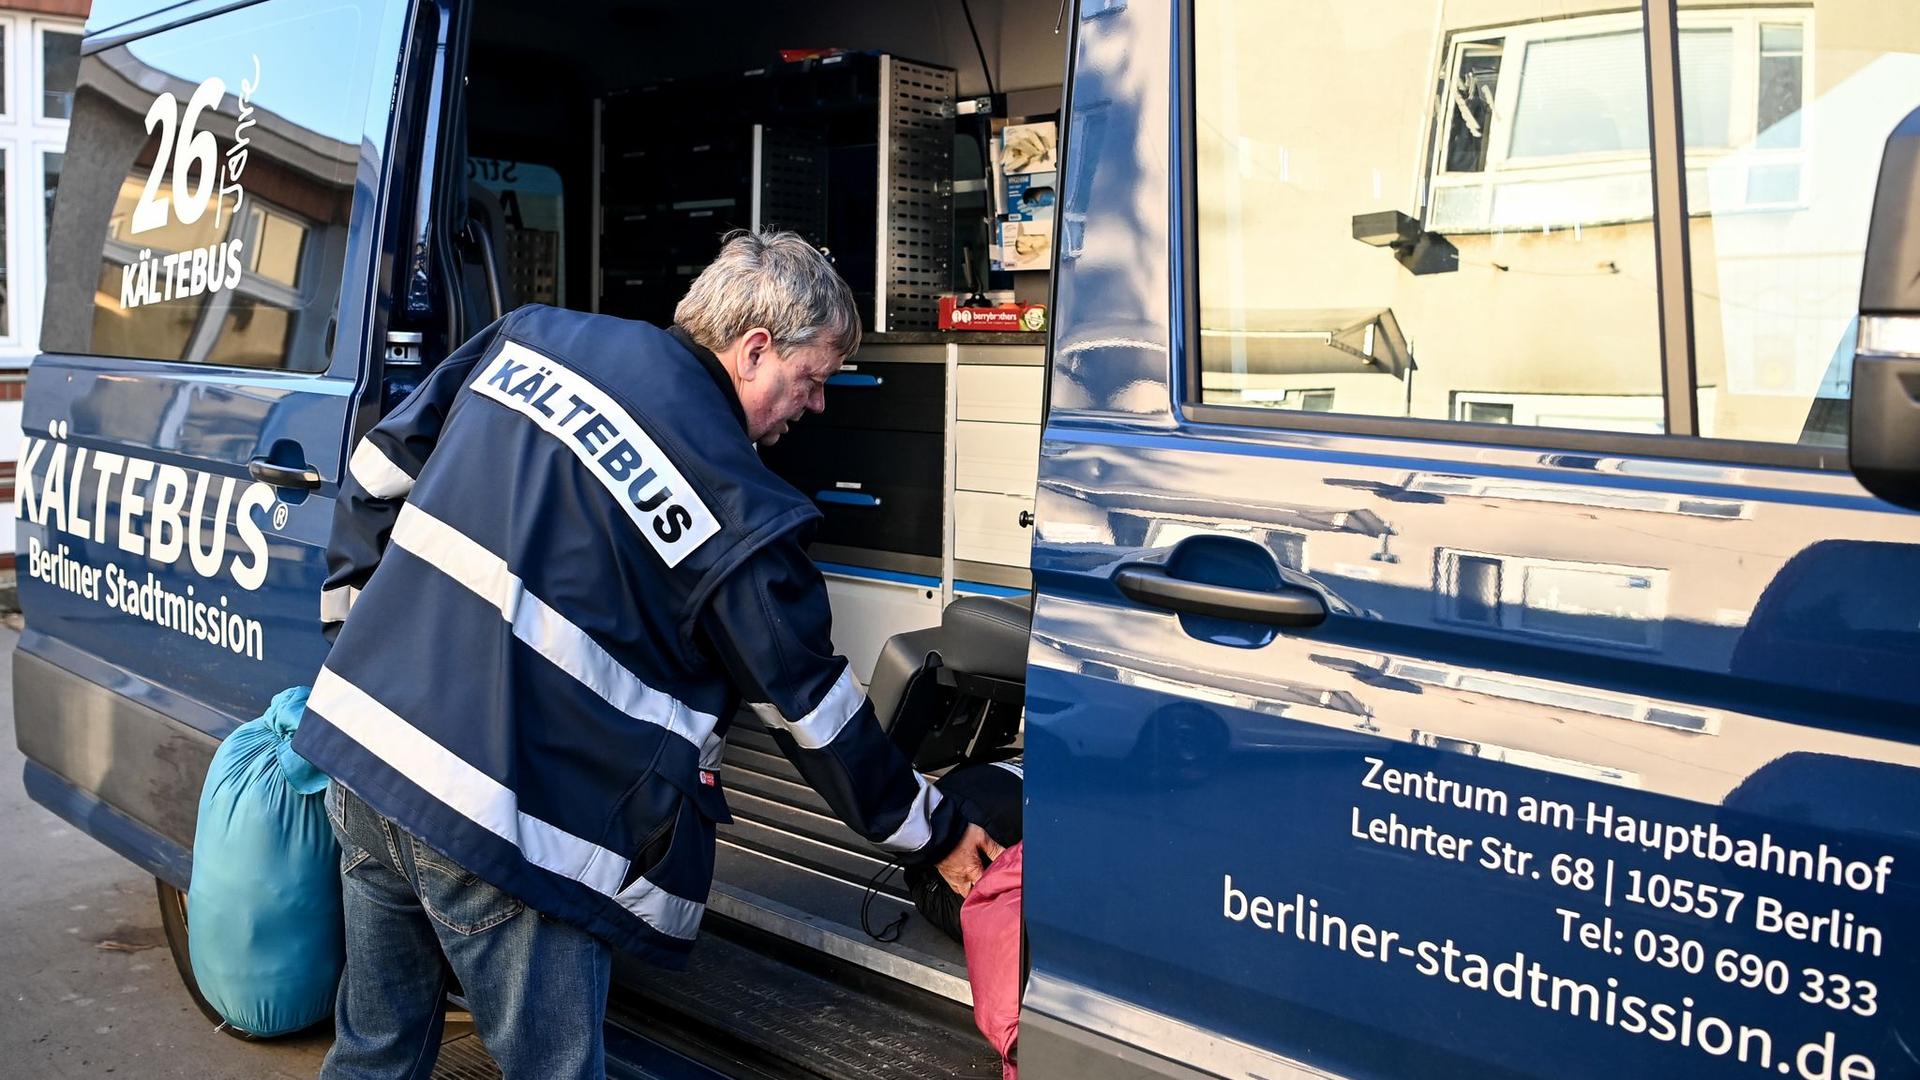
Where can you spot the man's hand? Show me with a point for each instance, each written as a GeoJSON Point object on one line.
{"type": "Point", "coordinates": [968, 859]}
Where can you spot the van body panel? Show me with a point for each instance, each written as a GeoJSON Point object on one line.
{"type": "Point", "coordinates": [1217, 770]}
{"type": "Point", "coordinates": [1108, 1037]}
{"type": "Point", "coordinates": [101, 820]}
{"type": "Point", "coordinates": [102, 406]}
{"type": "Point", "coordinates": [129, 755]}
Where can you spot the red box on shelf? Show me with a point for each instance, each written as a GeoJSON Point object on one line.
{"type": "Point", "coordinates": [998, 318]}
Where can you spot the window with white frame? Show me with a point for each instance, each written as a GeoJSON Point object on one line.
{"type": "Point", "coordinates": [1643, 413]}
{"type": "Point", "coordinates": [1447, 484]}
{"type": "Point", "coordinates": [1544, 124]}
{"type": "Point", "coordinates": [1312, 399]}
{"type": "Point", "coordinates": [1622, 606]}
{"type": "Point", "coordinates": [39, 61]}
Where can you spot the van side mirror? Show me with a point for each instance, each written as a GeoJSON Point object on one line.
{"type": "Point", "coordinates": [1883, 446]}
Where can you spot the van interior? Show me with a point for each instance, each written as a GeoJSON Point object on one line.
{"type": "Point", "coordinates": [611, 144]}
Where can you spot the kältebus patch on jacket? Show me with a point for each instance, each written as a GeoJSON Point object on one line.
{"type": "Point", "coordinates": [608, 440]}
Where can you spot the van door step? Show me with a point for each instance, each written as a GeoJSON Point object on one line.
{"type": "Point", "coordinates": [464, 1058]}
{"type": "Point", "coordinates": [777, 814]}
{"type": "Point", "coordinates": [782, 1021]}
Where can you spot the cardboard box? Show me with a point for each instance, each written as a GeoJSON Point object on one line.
{"type": "Point", "coordinates": [1025, 169]}
{"type": "Point", "coordinates": [1030, 148]}
{"type": "Point", "coordinates": [998, 318]}
{"type": "Point", "coordinates": [1026, 229]}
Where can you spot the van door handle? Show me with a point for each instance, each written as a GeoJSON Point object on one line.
{"type": "Point", "coordinates": [1289, 605]}
{"type": "Point", "coordinates": [304, 477]}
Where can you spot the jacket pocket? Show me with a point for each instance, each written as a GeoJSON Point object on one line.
{"type": "Point", "coordinates": [670, 872]}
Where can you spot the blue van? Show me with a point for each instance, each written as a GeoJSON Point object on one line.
{"type": "Point", "coordinates": [1450, 564]}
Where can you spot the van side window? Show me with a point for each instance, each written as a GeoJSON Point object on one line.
{"type": "Point", "coordinates": [207, 188]}
{"type": "Point", "coordinates": [1452, 219]}
{"type": "Point", "coordinates": [1376, 239]}
{"type": "Point", "coordinates": [1778, 207]}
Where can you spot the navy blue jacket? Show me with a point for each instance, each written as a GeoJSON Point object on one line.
{"type": "Point", "coordinates": [567, 568]}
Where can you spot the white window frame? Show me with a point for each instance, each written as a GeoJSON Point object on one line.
{"type": "Point", "coordinates": [25, 136]}
{"type": "Point", "coordinates": [19, 65]}
{"type": "Point", "coordinates": [245, 223]}
{"type": "Point", "coordinates": [1292, 398]}
{"type": "Point", "coordinates": [1532, 759]}
{"type": "Point", "coordinates": [1511, 607]}
{"type": "Point", "coordinates": [1630, 412]}
{"type": "Point", "coordinates": [40, 151]}
{"type": "Point", "coordinates": [1502, 169]}
{"type": "Point", "coordinates": [1485, 487]}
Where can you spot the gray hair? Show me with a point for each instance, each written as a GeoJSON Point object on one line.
{"type": "Point", "coordinates": [774, 280]}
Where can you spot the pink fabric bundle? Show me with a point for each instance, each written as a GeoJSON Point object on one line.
{"type": "Point", "coordinates": [990, 920]}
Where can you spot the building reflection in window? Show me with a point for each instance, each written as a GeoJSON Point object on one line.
{"type": "Point", "coordinates": [1614, 605]}
{"type": "Point", "coordinates": [285, 153]}
{"type": "Point", "coordinates": [247, 326]}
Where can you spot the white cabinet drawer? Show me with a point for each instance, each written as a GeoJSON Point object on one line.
{"type": "Point", "coordinates": [1000, 392]}
{"type": "Point", "coordinates": [996, 457]}
{"type": "Point", "coordinates": [986, 528]}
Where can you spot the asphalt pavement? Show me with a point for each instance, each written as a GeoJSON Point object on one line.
{"type": "Point", "coordinates": [89, 986]}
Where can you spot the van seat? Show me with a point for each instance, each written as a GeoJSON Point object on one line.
{"type": "Point", "coordinates": [977, 635]}
{"type": "Point", "coordinates": [987, 635]}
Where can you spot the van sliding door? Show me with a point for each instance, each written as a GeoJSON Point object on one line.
{"type": "Point", "coordinates": [209, 309]}
{"type": "Point", "coordinates": [1460, 650]}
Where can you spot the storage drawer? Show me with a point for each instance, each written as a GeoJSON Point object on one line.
{"type": "Point", "coordinates": [640, 294]}
{"type": "Point", "coordinates": [633, 172]}
{"type": "Point", "coordinates": [714, 163]}
{"type": "Point", "coordinates": [693, 235]}
{"type": "Point", "coordinates": [877, 489]}
{"type": "Point", "coordinates": [986, 528]}
{"type": "Point", "coordinates": [1002, 458]}
{"type": "Point", "coordinates": [886, 395]}
{"type": "Point", "coordinates": [1007, 394]}
{"type": "Point", "coordinates": [629, 230]}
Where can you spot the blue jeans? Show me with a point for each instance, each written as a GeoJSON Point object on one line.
{"type": "Point", "coordinates": [537, 988]}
